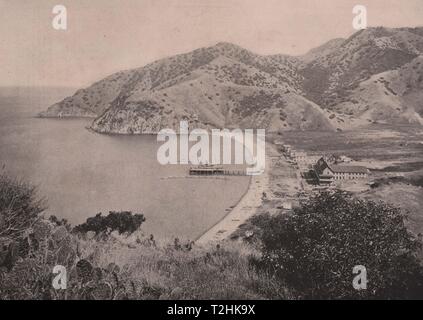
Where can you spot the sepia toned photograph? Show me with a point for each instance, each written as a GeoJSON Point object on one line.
{"type": "Point", "coordinates": [211, 150]}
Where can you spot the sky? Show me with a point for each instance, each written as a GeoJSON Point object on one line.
{"type": "Point", "coordinates": [106, 36]}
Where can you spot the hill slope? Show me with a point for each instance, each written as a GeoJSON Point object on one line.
{"type": "Point", "coordinates": [393, 96]}
{"type": "Point", "coordinates": [333, 86]}
{"type": "Point", "coordinates": [332, 70]}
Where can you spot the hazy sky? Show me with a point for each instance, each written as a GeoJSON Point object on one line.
{"type": "Point", "coordinates": [105, 36]}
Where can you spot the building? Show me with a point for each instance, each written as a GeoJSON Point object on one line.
{"type": "Point", "coordinates": [345, 159]}
{"type": "Point", "coordinates": [206, 169]}
{"type": "Point", "coordinates": [328, 173]}
{"type": "Point", "coordinates": [301, 157]}
{"type": "Point", "coordinates": [210, 170]}
{"type": "Point", "coordinates": [288, 151]}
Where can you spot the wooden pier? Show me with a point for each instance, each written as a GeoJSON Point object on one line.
{"type": "Point", "coordinates": [209, 170]}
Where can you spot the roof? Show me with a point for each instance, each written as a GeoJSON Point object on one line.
{"type": "Point", "coordinates": [348, 169]}
{"type": "Point", "coordinates": [322, 165]}
{"type": "Point", "coordinates": [301, 153]}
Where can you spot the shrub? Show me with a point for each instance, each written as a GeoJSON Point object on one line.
{"type": "Point", "coordinates": [19, 207]}
{"type": "Point", "coordinates": [30, 274]}
{"type": "Point", "coordinates": [123, 222]}
{"type": "Point", "coordinates": [314, 249]}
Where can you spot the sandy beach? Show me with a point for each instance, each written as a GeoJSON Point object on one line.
{"type": "Point", "coordinates": [245, 208]}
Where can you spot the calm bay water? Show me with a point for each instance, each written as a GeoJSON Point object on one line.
{"type": "Point", "coordinates": [82, 173]}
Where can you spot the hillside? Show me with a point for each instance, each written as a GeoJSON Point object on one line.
{"type": "Point", "coordinates": [228, 86]}
{"type": "Point", "coordinates": [92, 101]}
{"type": "Point", "coordinates": [223, 93]}
{"type": "Point", "coordinates": [334, 69]}
{"type": "Point", "coordinates": [393, 96]}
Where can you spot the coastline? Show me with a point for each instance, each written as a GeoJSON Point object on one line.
{"type": "Point", "coordinates": [243, 210]}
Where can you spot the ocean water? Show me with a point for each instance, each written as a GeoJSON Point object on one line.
{"type": "Point", "coordinates": [82, 173]}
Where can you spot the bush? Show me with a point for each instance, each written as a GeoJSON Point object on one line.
{"type": "Point", "coordinates": [29, 245]}
{"type": "Point", "coordinates": [19, 207]}
{"type": "Point", "coordinates": [30, 273]}
{"type": "Point", "coordinates": [314, 249]}
{"type": "Point", "coordinates": [117, 267]}
{"type": "Point", "coordinates": [19, 213]}
{"type": "Point", "coordinates": [123, 222]}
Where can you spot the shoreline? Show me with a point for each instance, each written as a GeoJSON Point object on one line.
{"type": "Point", "coordinates": [245, 208]}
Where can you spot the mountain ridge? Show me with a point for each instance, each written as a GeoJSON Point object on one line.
{"type": "Point", "coordinates": [226, 85]}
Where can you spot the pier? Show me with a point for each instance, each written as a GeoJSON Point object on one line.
{"type": "Point", "coordinates": [209, 170]}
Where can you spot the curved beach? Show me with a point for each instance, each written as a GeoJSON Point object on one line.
{"type": "Point", "coordinates": [245, 208]}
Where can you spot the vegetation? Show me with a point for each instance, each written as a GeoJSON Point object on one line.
{"type": "Point", "coordinates": [259, 102]}
{"type": "Point", "coordinates": [122, 222]}
{"type": "Point", "coordinates": [314, 249]}
{"type": "Point", "coordinates": [19, 208]}
{"type": "Point", "coordinates": [307, 254]}
{"type": "Point", "coordinates": [117, 262]}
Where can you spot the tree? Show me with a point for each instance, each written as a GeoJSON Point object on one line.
{"type": "Point", "coordinates": [123, 221]}
{"type": "Point", "coordinates": [314, 249]}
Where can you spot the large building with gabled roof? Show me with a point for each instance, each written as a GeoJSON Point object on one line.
{"type": "Point", "coordinates": [328, 173]}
